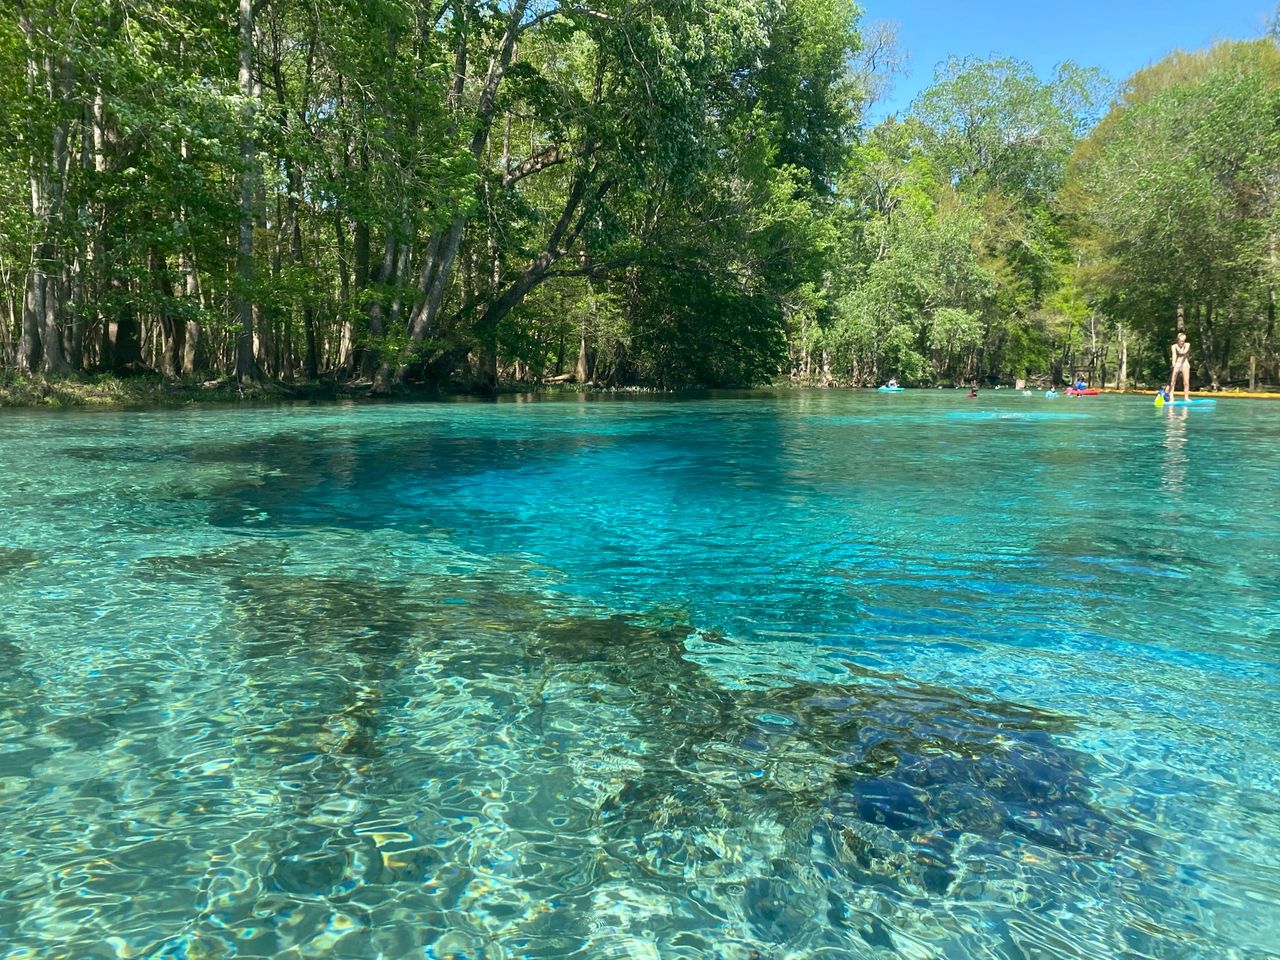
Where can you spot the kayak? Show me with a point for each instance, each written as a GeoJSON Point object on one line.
{"type": "Point", "coordinates": [890, 389]}
{"type": "Point", "coordinates": [1091, 392]}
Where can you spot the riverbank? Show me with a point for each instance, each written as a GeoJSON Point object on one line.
{"type": "Point", "coordinates": [105, 391]}
{"type": "Point", "coordinates": [19, 390]}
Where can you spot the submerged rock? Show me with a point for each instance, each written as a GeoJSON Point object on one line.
{"type": "Point", "coordinates": [13, 559]}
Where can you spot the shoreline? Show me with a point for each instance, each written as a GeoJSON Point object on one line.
{"type": "Point", "coordinates": [108, 392]}
{"type": "Point", "coordinates": [1211, 394]}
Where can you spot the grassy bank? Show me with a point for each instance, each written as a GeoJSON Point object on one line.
{"type": "Point", "coordinates": [20, 390]}
{"type": "Point", "coordinates": [105, 391]}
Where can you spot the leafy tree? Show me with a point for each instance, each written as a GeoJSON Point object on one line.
{"type": "Point", "coordinates": [993, 125]}
{"type": "Point", "coordinates": [1175, 194]}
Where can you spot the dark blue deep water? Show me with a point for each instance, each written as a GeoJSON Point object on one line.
{"type": "Point", "coordinates": [775, 676]}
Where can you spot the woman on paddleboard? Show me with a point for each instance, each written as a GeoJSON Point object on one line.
{"type": "Point", "coordinates": [1181, 365]}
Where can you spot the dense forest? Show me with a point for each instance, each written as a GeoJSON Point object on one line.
{"type": "Point", "coordinates": [661, 192]}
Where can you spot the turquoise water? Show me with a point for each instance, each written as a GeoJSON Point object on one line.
{"type": "Point", "coordinates": [806, 675]}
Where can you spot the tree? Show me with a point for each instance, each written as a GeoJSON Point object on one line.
{"type": "Point", "coordinates": [917, 289]}
{"type": "Point", "coordinates": [1176, 191]}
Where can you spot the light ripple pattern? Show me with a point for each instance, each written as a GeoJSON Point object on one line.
{"type": "Point", "coordinates": [774, 676]}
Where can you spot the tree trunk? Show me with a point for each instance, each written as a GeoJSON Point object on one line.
{"type": "Point", "coordinates": [32, 313]}
{"type": "Point", "coordinates": [192, 352]}
{"type": "Point", "coordinates": [83, 262]}
{"type": "Point", "coordinates": [310, 362]}
{"type": "Point", "coordinates": [586, 356]}
{"type": "Point", "coordinates": [435, 275]}
{"type": "Point", "coordinates": [582, 372]}
{"type": "Point", "coordinates": [123, 335]}
{"type": "Point", "coordinates": [1207, 345]}
{"type": "Point", "coordinates": [97, 254]}
{"type": "Point", "coordinates": [346, 335]}
{"type": "Point", "coordinates": [372, 367]}
{"type": "Point", "coordinates": [1122, 375]}
{"type": "Point", "coordinates": [7, 317]}
{"type": "Point", "coordinates": [1093, 348]}
{"type": "Point", "coordinates": [1269, 343]}
{"type": "Point", "coordinates": [294, 197]}
{"type": "Point", "coordinates": [41, 339]}
{"type": "Point", "coordinates": [246, 363]}
{"type": "Point", "coordinates": [173, 331]}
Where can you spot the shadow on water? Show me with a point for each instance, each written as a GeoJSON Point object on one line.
{"type": "Point", "coordinates": [13, 559]}
{"type": "Point", "coordinates": [911, 762]}
{"type": "Point", "coordinates": [453, 765]}
{"type": "Point", "coordinates": [317, 650]}
{"type": "Point", "coordinates": [310, 480]}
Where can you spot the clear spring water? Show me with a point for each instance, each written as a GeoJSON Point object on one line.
{"type": "Point", "coordinates": [806, 675]}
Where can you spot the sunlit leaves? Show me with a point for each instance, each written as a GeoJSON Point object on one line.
{"type": "Point", "coordinates": [1177, 188]}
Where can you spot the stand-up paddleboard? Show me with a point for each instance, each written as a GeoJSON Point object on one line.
{"type": "Point", "coordinates": [1193, 402]}
{"type": "Point", "coordinates": [890, 389]}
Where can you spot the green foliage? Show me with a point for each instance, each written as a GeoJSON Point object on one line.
{"type": "Point", "coordinates": [1175, 198]}
{"type": "Point", "coordinates": [704, 334]}
{"type": "Point", "coordinates": [994, 125]}
{"type": "Point", "coordinates": [678, 194]}
{"type": "Point", "coordinates": [918, 290]}
{"type": "Point", "coordinates": [957, 240]}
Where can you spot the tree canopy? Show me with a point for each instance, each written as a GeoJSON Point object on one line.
{"type": "Point", "coordinates": [667, 192]}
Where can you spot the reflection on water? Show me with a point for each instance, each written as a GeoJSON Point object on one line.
{"type": "Point", "coordinates": [647, 680]}
{"type": "Point", "coordinates": [1174, 475]}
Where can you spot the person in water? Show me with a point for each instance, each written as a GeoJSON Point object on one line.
{"type": "Point", "coordinates": [1181, 356]}
{"type": "Point", "coordinates": [1163, 394]}
{"type": "Point", "coordinates": [973, 393]}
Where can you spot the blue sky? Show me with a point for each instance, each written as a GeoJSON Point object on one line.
{"type": "Point", "coordinates": [1120, 36]}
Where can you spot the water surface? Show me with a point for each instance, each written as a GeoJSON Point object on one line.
{"type": "Point", "coordinates": [818, 675]}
